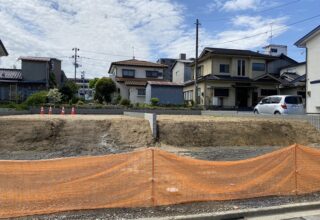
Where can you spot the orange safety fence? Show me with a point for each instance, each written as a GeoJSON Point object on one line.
{"type": "Point", "coordinates": [151, 177]}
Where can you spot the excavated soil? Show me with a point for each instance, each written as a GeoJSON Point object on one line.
{"type": "Point", "coordinates": [202, 137]}
{"type": "Point", "coordinates": [42, 137]}
{"type": "Point", "coordinates": [205, 131]}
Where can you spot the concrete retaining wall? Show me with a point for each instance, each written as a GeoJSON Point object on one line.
{"type": "Point", "coordinates": [151, 117]}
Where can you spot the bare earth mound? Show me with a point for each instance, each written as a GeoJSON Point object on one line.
{"type": "Point", "coordinates": [40, 137]}
{"type": "Point", "coordinates": [204, 131]}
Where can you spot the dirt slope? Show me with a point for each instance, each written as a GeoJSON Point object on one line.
{"type": "Point", "coordinates": [59, 136]}
{"type": "Point", "coordinates": [204, 131]}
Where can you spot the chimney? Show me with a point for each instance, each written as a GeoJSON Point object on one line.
{"type": "Point", "coordinates": [182, 56]}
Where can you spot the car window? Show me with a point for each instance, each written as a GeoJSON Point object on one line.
{"type": "Point", "coordinates": [275, 100]}
{"type": "Point", "coordinates": [293, 100]}
{"type": "Point", "coordinates": [265, 100]}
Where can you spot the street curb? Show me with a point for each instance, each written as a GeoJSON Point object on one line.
{"type": "Point", "coordinates": [254, 212]}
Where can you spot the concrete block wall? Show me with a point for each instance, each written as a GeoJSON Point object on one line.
{"type": "Point", "coordinates": [151, 117]}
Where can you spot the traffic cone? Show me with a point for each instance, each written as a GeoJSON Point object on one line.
{"type": "Point", "coordinates": [62, 111]}
{"type": "Point", "coordinates": [50, 110]}
{"type": "Point", "coordinates": [73, 111]}
{"type": "Point", "coordinates": [41, 110]}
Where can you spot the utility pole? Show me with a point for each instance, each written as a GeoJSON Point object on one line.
{"type": "Point", "coordinates": [75, 56]}
{"type": "Point", "coordinates": [83, 86]}
{"type": "Point", "coordinates": [196, 63]}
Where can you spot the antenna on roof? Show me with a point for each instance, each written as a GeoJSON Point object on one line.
{"type": "Point", "coordinates": [271, 34]}
{"type": "Point", "coordinates": [133, 53]}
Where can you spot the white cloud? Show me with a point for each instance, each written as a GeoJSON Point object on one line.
{"type": "Point", "coordinates": [244, 32]}
{"type": "Point", "coordinates": [234, 5]}
{"type": "Point", "coordinates": [54, 27]}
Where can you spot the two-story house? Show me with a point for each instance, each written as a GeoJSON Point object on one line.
{"type": "Point", "coordinates": [311, 42]}
{"type": "Point", "coordinates": [131, 77]}
{"type": "Point", "coordinates": [36, 74]}
{"type": "Point", "coordinates": [231, 78]}
{"type": "Point", "coordinates": [181, 69]}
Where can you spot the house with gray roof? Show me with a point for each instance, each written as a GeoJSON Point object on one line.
{"type": "Point", "coordinates": [233, 78]}
{"type": "Point", "coordinates": [131, 77]}
{"type": "Point", "coordinates": [293, 78]}
{"type": "Point", "coordinates": [36, 74]}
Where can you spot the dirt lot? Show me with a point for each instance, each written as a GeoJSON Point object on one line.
{"type": "Point", "coordinates": [202, 137]}
{"type": "Point", "coordinates": [204, 131]}
{"type": "Point", "coordinates": [42, 137]}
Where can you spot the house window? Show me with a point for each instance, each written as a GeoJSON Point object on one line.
{"type": "Point", "coordinates": [274, 50]}
{"type": "Point", "coordinates": [241, 67]}
{"type": "Point", "coordinates": [268, 92]}
{"type": "Point", "coordinates": [141, 92]}
{"type": "Point", "coordinates": [221, 92]}
{"type": "Point", "coordinates": [153, 74]}
{"type": "Point", "coordinates": [126, 73]}
{"type": "Point", "coordinates": [188, 95]}
{"type": "Point", "coordinates": [200, 71]}
{"type": "Point", "coordinates": [224, 68]}
{"type": "Point", "coordinates": [258, 66]}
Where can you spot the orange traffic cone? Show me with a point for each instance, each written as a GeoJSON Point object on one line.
{"type": "Point", "coordinates": [73, 111]}
{"type": "Point", "coordinates": [41, 110]}
{"type": "Point", "coordinates": [50, 110]}
{"type": "Point", "coordinates": [62, 111]}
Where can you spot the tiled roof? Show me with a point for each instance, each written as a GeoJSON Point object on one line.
{"type": "Point", "coordinates": [3, 49]}
{"type": "Point", "coordinates": [236, 52]}
{"type": "Point", "coordinates": [164, 83]}
{"type": "Point", "coordinates": [135, 81]}
{"type": "Point", "coordinates": [139, 63]}
{"type": "Point", "coordinates": [227, 78]}
{"type": "Point", "coordinates": [10, 74]}
{"type": "Point", "coordinates": [40, 59]}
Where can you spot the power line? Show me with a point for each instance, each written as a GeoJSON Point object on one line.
{"type": "Point", "coordinates": [265, 32]}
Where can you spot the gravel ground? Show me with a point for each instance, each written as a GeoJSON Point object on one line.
{"type": "Point", "coordinates": [182, 209]}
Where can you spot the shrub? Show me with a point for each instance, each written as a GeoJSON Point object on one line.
{"type": "Point", "coordinates": [125, 102]}
{"type": "Point", "coordinates": [68, 90]}
{"type": "Point", "coordinates": [80, 102]}
{"type": "Point", "coordinates": [54, 96]}
{"type": "Point", "coordinates": [74, 100]}
{"type": "Point", "coordinates": [37, 98]}
{"type": "Point", "coordinates": [154, 101]}
{"type": "Point", "coordinates": [104, 89]}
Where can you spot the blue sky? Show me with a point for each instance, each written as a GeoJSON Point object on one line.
{"type": "Point", "coordinates": [108, 30]}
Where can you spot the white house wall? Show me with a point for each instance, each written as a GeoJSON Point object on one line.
{"type": "Point", "coordinates": [140, 72]}
{"type": "Point", "coordinates": [300, 70]}
{"type": "Point", "coordinates": [178, 73]}
{"type": "Point", "coordinates": [313, 73]}
{"type": "Point", "coordinates": [133, 95]}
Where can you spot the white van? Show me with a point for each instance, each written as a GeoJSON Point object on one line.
{"type": "Point", "coordinates": [280, 105]}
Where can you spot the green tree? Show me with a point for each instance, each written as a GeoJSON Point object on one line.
{"type": "Point", "coordinates": [93, 82]}
{"type": "Point", "coordinates": [69, 90]}
{"type": "Point", "coordinates": [104, 89]}
{"type": "Point", "coordinates": [54, 96]}
{"type": "Point", "coordinates": [37, 98]}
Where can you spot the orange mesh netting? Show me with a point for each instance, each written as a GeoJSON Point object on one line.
{"type": "Point", "coordinates": [151, 178]}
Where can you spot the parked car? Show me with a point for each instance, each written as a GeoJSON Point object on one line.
{"type": "Point", "coordinates": [280, 105]}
